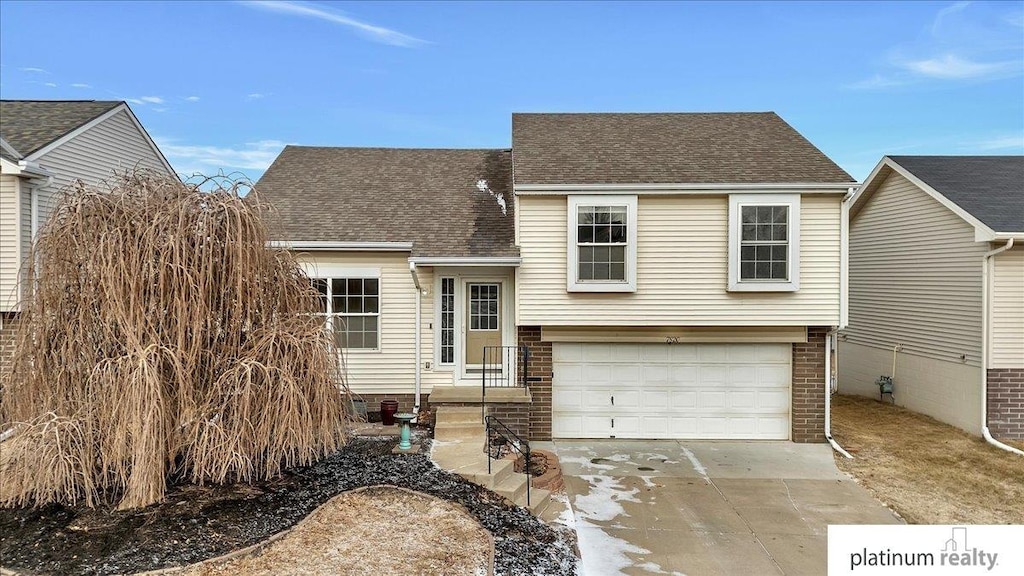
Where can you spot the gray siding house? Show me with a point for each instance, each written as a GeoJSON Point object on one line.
{"type": "Point", "coordinates": [45, 145]}
{"type": "Point", "coordinates": [936, 297]}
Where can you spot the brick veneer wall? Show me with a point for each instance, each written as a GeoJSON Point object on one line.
{"type": "Point", "coordinates": [7, 338]}
{"type": "Point", "coordinates": [539, 381]}
{"type": "Point", "coordinates": [405, 401]}
{"type": "Point", "coordinates": [1006, 403]}
{"type": "Point", "coordinates": [808, 390]}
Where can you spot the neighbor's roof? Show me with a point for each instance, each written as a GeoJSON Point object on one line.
{"type": "Point", "coordinates": [28, 125]}
{"type": "Point", "coordinates": [990, 188]}
{"type": "Point", "coordinates": [666, 148]}
{"type": "Point", "coordinates": [425, 196]}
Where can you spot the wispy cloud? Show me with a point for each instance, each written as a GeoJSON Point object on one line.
{"type": "Point", "coordinates": [213, 159]}
{"type": "Point", "coordinates": [309, 10]}
{"type": "Point", "coordinates": [80, 85]}
{"type": "Point", "coordinates": [1014, 143]}
{"type": "Point", "coordinates": [255, 96]}
{"type": "Point", "coordinates": [152, 99]}
{"type": "Point", "coordinates": [50, 84]}
{"type": "Point", "coordinates": [33, 70]}
{"type": "Point", "coordinates": [192, 98]}
{"type": "Point", "coordinates": [944, 12]}
{"type": "Point", "coordinates": [961, 43]}
{"type": "Point", "coordinates": [953, 67]}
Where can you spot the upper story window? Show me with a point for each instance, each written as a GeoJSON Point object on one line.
{"type": "Point", "coordinates": [602, 244]}
{"type": "Point", "coordinates": [352, 309]}
{"type": "Point", "coordinates": [764, 242]}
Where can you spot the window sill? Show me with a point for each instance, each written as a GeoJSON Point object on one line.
{"type": "Point", "coordinates": [764, 286]}
{"type": "Point", "coordinates": [610, 287]}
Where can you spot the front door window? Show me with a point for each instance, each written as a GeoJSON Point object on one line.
{"type": "Point", "coordinates": [483, 327]}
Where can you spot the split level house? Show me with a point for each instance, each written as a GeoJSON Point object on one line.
{"type": "Point", "coordinates": [45, 146]}
{"type": "Point", "coordinates": [610, 275]}
{"type": "Point", "coordinates": [937, 289]}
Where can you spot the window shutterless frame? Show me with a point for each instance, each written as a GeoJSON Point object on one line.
{"type": "Point", "coordinates": [601, 243]}
{"type": "Point", "coordinates": [764, 243]}
{"type": "Point", "coordinates": [351, 307]}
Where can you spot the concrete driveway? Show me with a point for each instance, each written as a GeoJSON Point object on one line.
{"type": "Point", "coordinates": [689, 507]}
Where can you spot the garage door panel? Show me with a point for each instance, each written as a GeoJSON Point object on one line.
{"type": "Point", "coordinates": [567, 353]}
{"type": "Point", "coordinates": [726, 391]}
{"type": "Point", "coordinates": [683, 400]}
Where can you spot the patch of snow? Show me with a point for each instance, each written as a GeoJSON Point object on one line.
{"type": "Point", "coordinates": [482, 186]}
{"type": "Point", "coordinates": [603, 502]}
{"type": "Point", "coordinates": [566, 518]}
{"type": "Point", "coordinates": [648, 482]}
{"type": "Point", "coordinates": [697, 466]}
{"type": "Point", "coordinates": [657, 569]}
{"type": "Point", "coordinates": [603, 553]}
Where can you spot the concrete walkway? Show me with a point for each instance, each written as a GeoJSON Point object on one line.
{"type": "Point", "coordinates": [667, 507]}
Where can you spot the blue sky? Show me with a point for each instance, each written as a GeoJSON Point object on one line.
{"type": "Point", "coordinates": [224, 85]}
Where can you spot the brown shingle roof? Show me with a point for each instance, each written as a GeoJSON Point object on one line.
{"type": "Point", "coordinates": [425, 196]}
{"type": "Point", "coordinates": [28, 125]}
{"type": "Point", "coordinates": [667, 148]}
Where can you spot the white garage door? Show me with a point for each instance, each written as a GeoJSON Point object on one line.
{"type": "Point", "coordinates": [709, 391]}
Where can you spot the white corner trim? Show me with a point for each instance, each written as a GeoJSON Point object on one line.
{"type": "Point", "coordinates": [572, 281]}
{"type": "Point", "coordinates": [5, 145]}
{"type": "Point", "coordinates": [684, 188]}
{"type": "Point", "coordinates": [982, 232]}
{"type": "Point", "coordinates": [737, 201]}
{"type": "Point", "coordinates": [513, 261]}
{"type": "Point", "coordinates": [316, 245]}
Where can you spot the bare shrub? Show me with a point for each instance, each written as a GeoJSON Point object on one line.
{"type": "Point", "coordinates": [162, 336]}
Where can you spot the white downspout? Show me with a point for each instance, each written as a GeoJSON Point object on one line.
{"type": "Point", "coordinates": [844, 314]}
{"type": "Point", "coordinates": [417, 338]}
{"type": "Point", "coordinates": [986, 262]}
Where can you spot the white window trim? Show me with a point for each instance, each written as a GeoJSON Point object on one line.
{"type": "Point", "coordinates": [573, 284]}
{"type": "Point", "coordinates": [736, 203]}
{"type": "Point", "coordinates": [337, 271]}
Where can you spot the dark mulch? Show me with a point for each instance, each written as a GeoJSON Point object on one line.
{"type": "Point", "coordinates": [195, 523]}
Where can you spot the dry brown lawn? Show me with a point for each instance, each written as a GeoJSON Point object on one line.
{"type": "Point", "coordinates": [927, 471]}
{"type": "Point", "coordinates": [372, 531]}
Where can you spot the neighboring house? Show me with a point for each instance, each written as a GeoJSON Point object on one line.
{"type": "Point", "coordinates": [929, 297]}
{"type": "Point", "coordinates": [45, 146]}
{"type": "Point", "coordinates": [671, 275]}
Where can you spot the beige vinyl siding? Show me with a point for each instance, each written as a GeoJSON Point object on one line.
{"type": "Point", "coordinates": [9, 253]}
{"type": "Point", "coordinates": [1007, 309]}
{"type": "Point", "coordinates": [682, 269]}
{"type": "Point", "coordinates": [391, 369]}
{"type": "Point", "coordinates": [93, 156]}
{"type": "Point", "coordinates": [915, 276]}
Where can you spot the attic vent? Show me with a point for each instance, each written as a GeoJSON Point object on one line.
{"type": "Point", "coordinates": [482, 186]}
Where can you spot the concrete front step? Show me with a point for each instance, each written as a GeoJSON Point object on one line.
{"type": "Point", "coordinates": [457, 415]}
{"type": "Point", "coordinates": [466, 432]}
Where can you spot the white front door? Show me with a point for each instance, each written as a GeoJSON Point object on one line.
{"type": "Point", "coordinates": [484, 322]}
{"type": "Point", "coordinates": [685, 391]}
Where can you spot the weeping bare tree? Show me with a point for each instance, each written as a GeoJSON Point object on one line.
{"type": "Point", "coordinates": [163, 337]}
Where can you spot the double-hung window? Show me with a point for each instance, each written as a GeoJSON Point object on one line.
{"type": "Point", "coordinates": [601, 244]}
{"type": "Point", "coordinates": [764, 242]}
{"type": "Point", "coordinates": [352, 309]}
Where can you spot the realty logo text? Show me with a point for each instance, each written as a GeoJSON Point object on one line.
{"type": "Point", "coordinates": [955, 552]}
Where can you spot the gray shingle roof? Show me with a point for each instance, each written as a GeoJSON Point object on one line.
{"type": "Point", "coordinates": [691, 148]}
{"type": "Point", "coordinates": [425, 196]}
{"type": "Point", "coordinates": [990, 188]}
{"type": "Point", "coordinates": [28, 125]}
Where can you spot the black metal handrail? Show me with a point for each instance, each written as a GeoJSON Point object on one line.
{"type": "Point", "coordinates": [503, 367]}
{"type": "Point", "coordinates": [492, 427]}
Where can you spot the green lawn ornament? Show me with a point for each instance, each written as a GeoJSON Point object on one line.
{"type": "Point", "coordinates": [403, 418]}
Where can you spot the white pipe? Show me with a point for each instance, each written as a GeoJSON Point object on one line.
{"type": "Point", "coordinates": [829, 338]}
{"type": "Point", "coordinates": [417, 337]}
{"type": "Point", "coordinates": [844, 314]}
{"type": "Point", "coordinates": [986, 262]}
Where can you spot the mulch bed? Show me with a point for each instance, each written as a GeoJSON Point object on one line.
{"type": "Point", "coordinates": [195, 523]}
